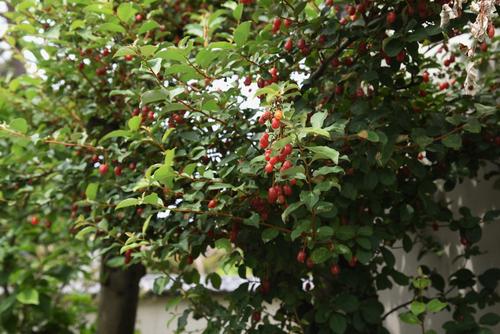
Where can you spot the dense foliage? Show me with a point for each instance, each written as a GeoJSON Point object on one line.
{"type": "Point", "coordinates": [148, 107]}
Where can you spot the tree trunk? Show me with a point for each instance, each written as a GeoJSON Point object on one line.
{"type": "Point", "coordinates": [118, 299]}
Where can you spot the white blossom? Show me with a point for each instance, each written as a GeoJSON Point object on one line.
{"type": "Point", "coordinates": [470, 84]}
{"type": "Point", "coordinates": [446, 14]}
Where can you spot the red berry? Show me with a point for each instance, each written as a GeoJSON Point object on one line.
{"type": "Point", "coordinates": [264, 140]}
{"type": "Point", "coordinates": [309, 263]}
{"type": "Point", "coordinates": [446, 62]}
{"type": "Point", "coordinates": [118, 171]}
{"type": "Point", "coordinates": [391, 18]}
{"type": "Point", "coordinates": [421, 156]}
{"type": "Point", "coordinates": [425, 76]}
{"type": "Point", "coordinates": [287, 149]}
{"type": "Point", "coordinates": [288, 23]}
{"type": "Point", "coordinates": [401, 56]}
{"type": "Point", "coordinates": [301, 43]}
{"type": "Point", "coordinates": [444, 85]}
{"type": "Point", "coordinates": [422, 93]}
{"type": "Point", "coordinates": [151, 115]}
{"type": "Point", "coordinates": [321, 39]}
{"type": "Point", "coordinates": [276, 24]}
{"type": "Point", "coordinates": [248, 81]}
{"type": "Point", "coordinates": [361, 8]}
{"type": "Point", "coordinates": [128, 256]}
{"type": "Point", "coordinates": [256, 316]}
{"type": "Point", "coordinates": [132, 165]}
{"type": "Point", "coordinates": [359, 92]}
{"type": "Point", "coordinates": [343, 21]}
{"type": "Point", "coordinates": [329, 3]}
{"type": "Point", "coordinates": [350, 9]}
{"type": "Point", "coordinates": [464, 241]}
{"type": "Point", "coordinates": [286, 165]}
{"type": "Point", "coordinates": [274, 160]}
{"type": "Point", "coordinates": [281, 199]}
{"type": "Point", "coordinates": [100, 71]}
{"type": "Point", "coordinates": [353, 261]}
{"type": "Point", "coordinates": [269, 168]}
{"type": "Point", "coordinates": [272, 195]}
{"type": "Point", "coordinates": [103, 169]}
{"type": "Point", "coordinates": [81, 66]}
{"type": "Point", "coordinates": [136, 112]}
{"type": "Point", "coordinates": [35, 220]}
{"type": "Point", "coordinates": [288, 45]}
{"type": "Point", "coordinates": [348, 61]}
{"type": "Point", "coordinates": [138, 18]}
{"type": "Point", "coordinates": [483, 47]}
{"type": "Point", "coordinates": [287, 190]}
{"type": "Point", "coordinates": [491, 31]}
{"type": "Point", "coordinates": [335, 62]}
{"type": "Point", "coordinates": [212, 204]}
{"type": "Point", "coordinates": [301, 256]}
{"type": "Point", "coordinates": [128, 57]}
{"type": "Point", "coordinates": [339, 90]}
{"type": "Point", "coordinates": [261, 83]}
{"type": "Point", "coordinates": [293, 182]}
{"type": "Point", "coordinates": [246, 2]}
{"type": "Point", "coordinates": [105, 52]}
{"type": "Point", "coordinates": [275, 123]}
{"type": "Point", "coordinates": [274, 72]}
{"type": "Point", "coordinates": [189, 259]}
{"type": "Point", "coordinates": [335, 269]}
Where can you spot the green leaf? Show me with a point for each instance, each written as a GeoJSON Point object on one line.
{"type": "Point", "coordinates": [253, 220]}
{"type": "Point", "coordinates": [310, 198]}
{"type": "Point", "coordinates": [435, 305]}
{"type": "Point", "coordinates": [91, 191]}
{"type": "Point", "coordinates": [320, 255]}
{"type": "Point", "coordinates": [223, 243]}
{"type": "Point", "coordinates": [369, 135]}
{"type": "Point", "coordinates": [115, 134]}
{"type": "Point", "coordinates": [112, 27]}
{"type": "Point", "coordinates": [269, 234]}
{"type": "Point", "coordinates": [314, 131]}
{"type": "Point", "coordinates": [238, 11]}
{"type": "Point", "coordinates": [392, 46]}
{"type": "Point", "coordinates": [148, 50]}
{"type": "Point", "coordinates": [135, 123]}
{"type": "Point", "coordinates": [364, 243]}
{"type": "Point", "coordinates": [489, 319]}
{"type": "Point", "coordinates": [28, 296]}
{"type": "Point", "coordinates": [126, 11]}
{"type": "Point", "coordinates": [302, 227]}
{"type": "Point", "coordinates": [291, 208]}
{"type": "Point", "coordinates": [19, 125]}
{"type": "Point", "coordinates": [81, 235]}
{"type": "Point", "coordinates": [473, 126]}
{"type": "Point", "coordinates": [345, 232]}
{"type": "Point", "coordinates": [127, 202]}
{"type": "Point", "coordinates": [318, 118]}
{"type": "Point", "coordinates": [325, 232]}
{"type": "Point", "coordinates": [215, 280]}
{"type": "Point", "coordinates": [146, 224]}
{"type": "Point", "coordinates": [148, 26]}
{"type": "Point", "coordinates": [338, 323]}
{"type": "Point", "coordinates": [325, 152]}
{"type": "Point", "coordinates": [325, 170]}
{"type": "Point", "coordinates": [153, 199]}
{"type": "Point", "coordinates": [417, 307]}
{"type": "Point", "coordinates": [172, 54]}
{"type": "Point", "coordinates": [409, 318]}
{"type": "Point", "coordinates": [155, 96]}
{"type": "Point", "coordinates": [242, 32]}
{"type": "Point", "coordinates": [124, 51]}
{"type": "Point", "coordinates": [453, 141]}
